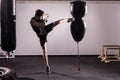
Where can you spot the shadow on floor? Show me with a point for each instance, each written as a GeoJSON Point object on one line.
{"type": "Point", "coordinates": [25, 78]}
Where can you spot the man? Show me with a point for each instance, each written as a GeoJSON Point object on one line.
{"type": "Point", "coordinates": [38, 23]}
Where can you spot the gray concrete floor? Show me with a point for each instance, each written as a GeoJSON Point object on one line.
{"type": "Point", "coordinates": [63, 68]}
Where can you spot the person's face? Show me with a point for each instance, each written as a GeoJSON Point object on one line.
{"type": "Point", "coordinates": [45, 16]}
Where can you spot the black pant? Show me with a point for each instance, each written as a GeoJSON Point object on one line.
{"type": "Point", "coordinates": [43, 37]}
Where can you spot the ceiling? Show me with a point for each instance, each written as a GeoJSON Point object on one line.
{"type": "Point", "coordinates": [67, 0]}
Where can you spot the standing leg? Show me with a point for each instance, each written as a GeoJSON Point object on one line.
{"type": "Point", "coordinates": [45, 57]}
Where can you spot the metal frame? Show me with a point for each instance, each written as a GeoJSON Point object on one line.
{"type": "Point", "coordinates": [105, 57]}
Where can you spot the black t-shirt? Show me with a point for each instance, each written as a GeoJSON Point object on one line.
{"type": "Point", "coordinates": [36, 29]}
{"type": "Point", "coordinates": [42, 32]}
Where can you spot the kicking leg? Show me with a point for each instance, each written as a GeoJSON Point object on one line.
{"type": "Point", "coordinates": [62, 21]}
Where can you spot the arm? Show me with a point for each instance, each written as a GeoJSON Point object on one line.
{"type": "Point", "coordinates": [37, 24]}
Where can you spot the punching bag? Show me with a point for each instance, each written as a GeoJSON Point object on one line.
{"type": "Point", "coordinates": [77, 29]}
{"type": "Point", "coordinates": [78, 10]}
{"type": "Point", "coordinates": [8, 29]}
